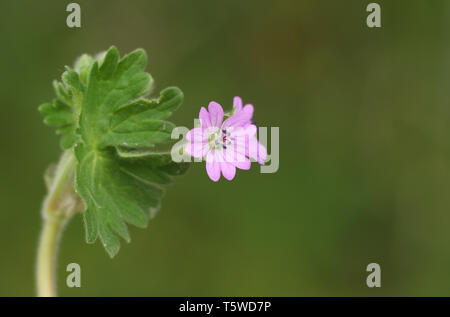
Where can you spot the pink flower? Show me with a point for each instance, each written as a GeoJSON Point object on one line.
{"type": "Point", "coordinates": [228, 144]}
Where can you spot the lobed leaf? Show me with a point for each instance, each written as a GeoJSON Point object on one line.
{"type": "Point", "coordinates": [101, 111]}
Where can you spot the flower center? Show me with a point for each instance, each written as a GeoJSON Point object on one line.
{"type": "Point", "coordinates": [219, 139]}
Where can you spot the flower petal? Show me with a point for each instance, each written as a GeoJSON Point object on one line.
{"type": "Point", "coordinates": [240, 118]}
{"type": "Point", "coordinates": [197, 135]}
{"type": "Point", "coordinates": [257, 151]}
{"type": "Point", "coordinates": [248, 130]}
{"type": "Point", "coordinates": [196, 149]}
{"type": "Point", "coordinates": [228, 170]}
{"type": "Point", "coordinates": [248, 111]}
{"type": "Point", "coordinates": [241, 144]}
{"type": "Point", "coordinates": [215, 114]}
{"type": "Point", "coordinates": [212, 166]}
{"type": "Point", "coordinates": [204, 118]}
{"type": "Point", "coordinates": [245, 165]}
{"type": "Point", "coordinates": [237, 104]}
{"type": "Point", "coordinates": [232, 155]}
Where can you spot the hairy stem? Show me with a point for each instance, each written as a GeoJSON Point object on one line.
{"type": "Point", "coordinates": [46, 261]}
{"type": "Point", "coordinates": [59, 206]}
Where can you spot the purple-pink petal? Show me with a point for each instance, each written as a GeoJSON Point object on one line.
{"type": "Point", "coordinates": [237, 104]}
{"type": "Point", "coordinates": [215, 114]}
{"type": "Point", "coordinates": [240, 118]}
{"type": "Point", "coordinates": [212, 166]}
{"type": "Point", "coordinates": [204, 118]}
{"type": "Point", "coordinates": [243, 164]}
{"type": "Point", "coordinates": [228, 170]}
{"type": "Point", "coordinates": [257, 151]}
{"type": "Point", "coordinates": [197, 135]}
{"type": "Point", "coordinates": [196, 149]}
{"type": "Point", "coordinates": [232, 155]}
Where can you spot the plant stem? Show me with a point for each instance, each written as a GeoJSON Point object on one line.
{"type": "Point", "coordinates": [58, 207]}
{"type": "Point", "coordinates": [46, 261]}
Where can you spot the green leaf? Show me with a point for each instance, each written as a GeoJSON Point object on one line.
{"type": "Point", "coordinates": [60, 115]}
{"type": "Point", "coordinates": [101, 111]}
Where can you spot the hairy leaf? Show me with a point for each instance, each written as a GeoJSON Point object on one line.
{"type": "Point", "coordinates": [103, 116]}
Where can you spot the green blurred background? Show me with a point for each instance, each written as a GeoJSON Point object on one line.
{"type": "Point", "coordinates": [364, 117]}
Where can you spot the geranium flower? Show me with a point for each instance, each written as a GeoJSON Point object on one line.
{"type": "Point", "coordinates": [226, 145]}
